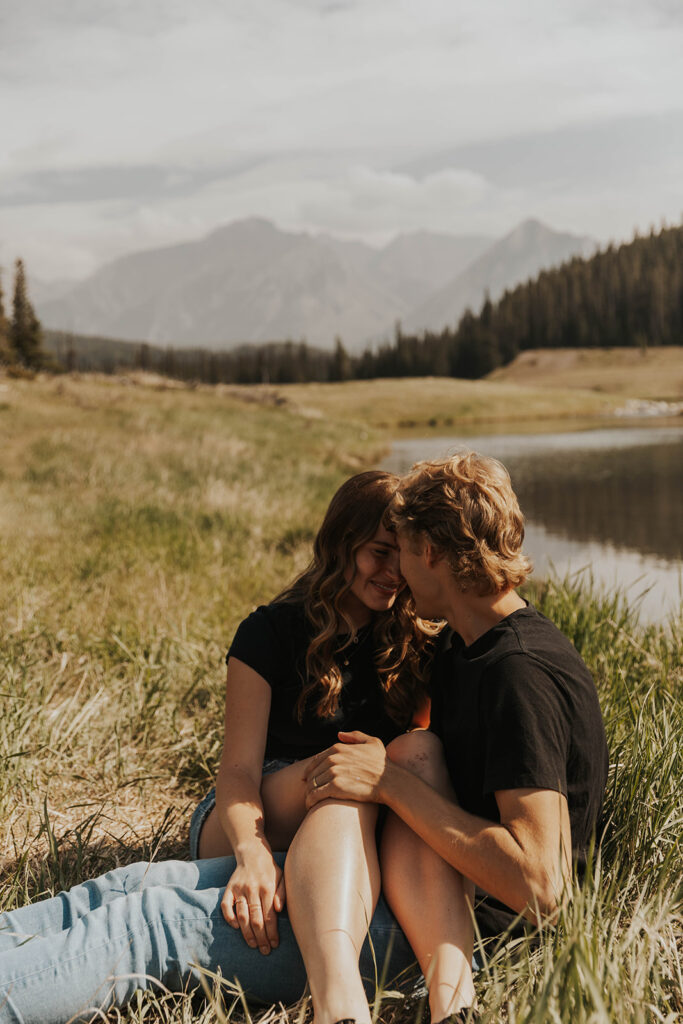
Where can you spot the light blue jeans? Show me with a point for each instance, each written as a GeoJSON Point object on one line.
{"type": "Point", "coordinates": [96, 944]}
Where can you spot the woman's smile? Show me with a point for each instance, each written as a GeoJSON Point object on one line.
{"type": "Point", "coordinates": [377, 579]}
{"type": "Point", "coordinates": [385, 588]}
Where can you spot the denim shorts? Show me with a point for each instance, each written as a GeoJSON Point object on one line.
{"type": "Point", "coordinates": [204, 808]}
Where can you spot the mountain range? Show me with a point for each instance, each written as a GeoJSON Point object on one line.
{"type": "Point", "coordinates": [249, 281]}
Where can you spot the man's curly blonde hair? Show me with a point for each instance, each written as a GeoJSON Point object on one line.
{"type": "Point", "coordinates": [466, 509]}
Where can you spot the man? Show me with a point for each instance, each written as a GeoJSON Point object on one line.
{"type": "Point", "coordinates": [510, 797]}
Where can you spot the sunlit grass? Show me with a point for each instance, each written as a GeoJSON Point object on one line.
{"type": "Point", "coordinates": [442, 403]}
{"type": "Point", "coordinates": [651, 373]}
{"type": "Point", "coordinates": [137, 527]}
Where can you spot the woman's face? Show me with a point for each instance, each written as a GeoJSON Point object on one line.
{"type": "Point", "coordinates": [377, 579]}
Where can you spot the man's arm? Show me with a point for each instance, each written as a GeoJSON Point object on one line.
{"type": "Point", "coordinates": [524, 861]}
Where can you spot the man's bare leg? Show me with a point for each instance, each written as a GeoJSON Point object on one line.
{"type": "Point", "coordinates": [429, 898]}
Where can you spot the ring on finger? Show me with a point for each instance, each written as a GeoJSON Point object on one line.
{"type": "Point", "coordinates": [315, 782]}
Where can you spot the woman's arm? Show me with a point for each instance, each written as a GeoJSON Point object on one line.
{"type": "Point", "coordinates": [255, 892]}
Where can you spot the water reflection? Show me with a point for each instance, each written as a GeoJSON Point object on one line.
{"type": "Point", "coordinates": [610, 500]}
{"type": "Point", "coordinates": [628, 498]}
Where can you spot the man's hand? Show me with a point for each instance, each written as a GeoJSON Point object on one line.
{"type": "Point", "coordinates": [353, 769]}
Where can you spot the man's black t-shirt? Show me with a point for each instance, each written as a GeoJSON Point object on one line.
{"type": "Point", "coordinates": [273, 640]}
{"type": "Point", "coordinates": [518, 709]}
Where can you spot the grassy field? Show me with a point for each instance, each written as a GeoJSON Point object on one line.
{"type": "Point", "coordinates": [654, 373]}
{"type": "Point", "coordinates": [437, 403]}
{"type": "Point", "coordinates": [139, 522]}
{"type": "Point", "coordinates": [539, 387]}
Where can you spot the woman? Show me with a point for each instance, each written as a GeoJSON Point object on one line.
{"type": "Point", "coordinates": [340, 649]}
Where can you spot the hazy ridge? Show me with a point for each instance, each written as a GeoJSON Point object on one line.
{"type": "Point", "coordinates": [252, 282]}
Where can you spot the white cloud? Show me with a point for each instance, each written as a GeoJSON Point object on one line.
{"type": "Point", "coordinates": [352, 88]}
{"type": "Point", "coordinates": [381, 203]}
{"type": "Point", "coordinates": [279, 75]}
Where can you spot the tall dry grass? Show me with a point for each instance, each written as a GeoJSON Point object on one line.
{"type": "Point", "coordinates": [138, 524]}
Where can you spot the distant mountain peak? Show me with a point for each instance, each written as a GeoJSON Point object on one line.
{"type": "Point", "coordinates": [532, 228]}
{"type": "Point", "coordinates": [530, 247]}
{"type": "Point", "coordinates": [251, 281]}
{"type": "Point", "coordinates": [245, 224]}
{"type": "Point", "coordinates": [532, 224]}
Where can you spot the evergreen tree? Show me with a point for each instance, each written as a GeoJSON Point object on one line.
{"type": "Point", "coordinates": [5, 350]}
{"type": "Point", "coordinates": [143, 356]}
{"type": "Point", "coordinates": [169, 362]}
{"type": "Point", "coordinates": [26, 335]}
{"type": "Point", "coordinates": [340, 366]}
{"type": "Point", "coordinates": [70, 355]}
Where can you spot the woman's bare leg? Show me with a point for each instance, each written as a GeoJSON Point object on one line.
{"type": "Point", "coordinates": [331, 879]}
{"type": "Point", "coordinates": [332, 882]}
{"type": "Point", "coordinates": [284, 808]}
{"type": "Point", "coordinates": [430, 899]}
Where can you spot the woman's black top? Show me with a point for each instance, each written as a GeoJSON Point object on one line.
{"type": "Point", "coordinates": [273, 640]}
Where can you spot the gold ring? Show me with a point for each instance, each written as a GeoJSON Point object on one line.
{"type": "Point", "coordinates": [315, 782]}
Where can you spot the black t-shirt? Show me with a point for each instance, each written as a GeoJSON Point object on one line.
{"type": "Point", "coordinates": [518, 709]}
{"type": "Point", "coordinates": [273, 640]}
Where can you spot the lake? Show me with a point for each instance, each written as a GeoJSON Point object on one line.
{"type": "Point", "coordinates": [606, 501]}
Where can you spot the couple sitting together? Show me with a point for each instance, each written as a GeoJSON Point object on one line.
{"type": "Point", "coordinates": [343, 838]}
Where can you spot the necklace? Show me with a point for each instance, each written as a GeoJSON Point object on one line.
{"type": "Point", "coordinates": [362, 633]}
{"type": "Point", "coordinates": [354, 641]}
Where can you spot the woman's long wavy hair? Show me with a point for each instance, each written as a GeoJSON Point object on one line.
{"type": "Point", "coordinates": [401, 638]}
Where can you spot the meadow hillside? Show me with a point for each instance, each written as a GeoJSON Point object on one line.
{"type": "Point", "coordinates": [139, 522]}
{"type": "Point", "coordinates": [540, 388]}
{"type": "Point", "coordinates": [649, 373]}
{"type": "Point", "coordinates": [445, 403]}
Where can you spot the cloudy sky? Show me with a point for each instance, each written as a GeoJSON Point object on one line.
{"type": "Point", "coordinates": [127, 124]}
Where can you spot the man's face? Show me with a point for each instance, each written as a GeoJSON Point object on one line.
{"type": "Point", "coordinates": [419, 572]}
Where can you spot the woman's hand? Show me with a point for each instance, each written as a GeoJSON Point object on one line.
{"type": "Point", "coordinates": [353, 769]}
{"type": "Point", "coordinates": [253, 898]}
